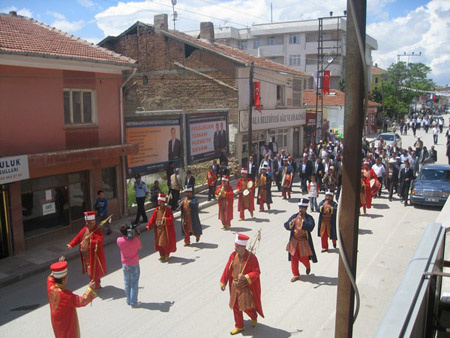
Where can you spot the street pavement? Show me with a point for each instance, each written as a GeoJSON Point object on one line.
{"type": "Point", "coordinates": [182, 298]}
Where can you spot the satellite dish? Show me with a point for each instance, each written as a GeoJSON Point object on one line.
{"type": "Point", "coordinates": [330, 59]}
{"type": "Point", "coordinates": [174, 2]}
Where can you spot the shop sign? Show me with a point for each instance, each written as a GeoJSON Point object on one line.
{"type": "Point", "coordinates": [269, 119]}
{"type": "Point", "coordinates": [13, 169]}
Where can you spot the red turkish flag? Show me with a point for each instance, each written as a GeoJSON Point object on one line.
{"type": "Point", "coordinates": [326, 82]}
{"type": "Point", "coordinates": [257, 96]}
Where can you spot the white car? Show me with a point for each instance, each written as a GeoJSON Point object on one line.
{"type": "Point", "coordinates": [389, 139]}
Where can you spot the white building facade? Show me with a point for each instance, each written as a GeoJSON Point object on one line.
{"type": "Point", "coordinates": [295, 44]}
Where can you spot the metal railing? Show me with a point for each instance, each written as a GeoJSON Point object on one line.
{"type": "Point", "coordinates": [413, 311]}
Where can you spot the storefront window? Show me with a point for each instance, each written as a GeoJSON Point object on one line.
{"type": "Point", "coordinates": [53, 202]}
{"type": "Point", "coordinates": [109, 182]}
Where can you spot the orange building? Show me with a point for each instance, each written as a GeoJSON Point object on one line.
{"type": "Point", "coordinates": [61, 136]}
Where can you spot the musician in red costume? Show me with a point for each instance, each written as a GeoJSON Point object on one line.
{"type": "Point", "coordinates": [225, 197]}
{"type": "Point", "coordinates": [246, 194]}
{"type": "Point", "coordinates": [165, 237]}
{"type": "Point", "coordinates": [371, 189]}
{"type": "Point", "coordinates": [92, 255]}
{"type": "Point", "coordinates": [63, 302]}
{"type": "Point", "coordinates": [242, 275]}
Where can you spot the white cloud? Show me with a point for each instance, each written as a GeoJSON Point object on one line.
{"type": "Point", "coordinates": [21, 11]}
{"type": "Point", "coordinates": [65, 25]}
{"type": "Point", "coordinates": [425, 29]}
{"type": "Point", "coordinates": [86, 3]}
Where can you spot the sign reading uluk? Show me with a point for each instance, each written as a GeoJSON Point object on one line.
{"type": "Point", "coordinates": [269, 119]}
{"type": "Point", "coordinates": [13, 169]}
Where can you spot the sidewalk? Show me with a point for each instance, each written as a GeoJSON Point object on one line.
{"type": "Point", "coordinates": [39, 258]}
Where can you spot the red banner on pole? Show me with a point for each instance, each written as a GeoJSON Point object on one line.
{"type": "Point", "coordinates": [257, 98]}
{"type": "Point", "coordinates": [326, 82]}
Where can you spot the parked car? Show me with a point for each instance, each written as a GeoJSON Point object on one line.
{"type": "Point", "coordinates": [432, 186]}
{"type": "Point", "coordinates": [389, 139]}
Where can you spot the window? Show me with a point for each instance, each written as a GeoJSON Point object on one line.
{"type": "Point", "coordinates": [271, 41]}
{"type": "Point", "coordinates": [294, 60]}
{"type": "Point", "coordinates": [109, 182]}
{"type": "Point", "coordinates": [78, 106]}
{"type": "Point", "coordinates": [243, 44]}
{"type": "Point", "coordinates": [294, 39]}
{"type": "Point", "coordinates": [280, 95]}
{"type": "Point", "coordinates": [256, 43]}
{"type": "Point", "coordinates": [297, 93]}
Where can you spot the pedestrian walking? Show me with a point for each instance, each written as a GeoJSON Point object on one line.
{"type": "Point", "coordinates": [300, 246]}
{"type": "Point", "coordinates": [129, 245]}
{"type": "Point", "coordinates": [140, 192]}
{"type": "Point", "coordinates": [211, 179]}
{"type": "Point", "coordinates": [175, 185]}
{"type": "Point", "coordinates": [242, 275]}
{"type": "Point", "coordinates": [435, 134]}
{"type": "Point", "coordinates": [406, 176]}
{"type": "Point", "coordinates": [313, 190]}
{"type": "Point", "coordinates": [264, 184]}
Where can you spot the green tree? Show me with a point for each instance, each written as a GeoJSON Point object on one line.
{"type": "Point", "coordinates": [397, 100]}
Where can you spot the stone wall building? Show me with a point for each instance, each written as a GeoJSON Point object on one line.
{"type": "Point", "coordinates": [180, 73]}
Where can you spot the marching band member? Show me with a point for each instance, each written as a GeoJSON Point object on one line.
{"type": "Point", "coordinates": [300, 245]}
{"type": "Point", "coordinates": [165, 237]}
{"type": "Point", "coordinates": [241, 273]}
{"type": "Point", "coordinates": [264, 184]}
{"type": "Point", "coordinates": [225, 196]}
{"type": "Point", "coordinates": [286, 173]}
{"type": "Point", "coordinates": [92, 255]}
{"type": "Point", "coordinates": [63, 303]}
{"type": "Point", "coordinates": [327, 220]}
{"type": "Point", "coordinates": [190, 221]}
{"type": "Point", "coordinates": [246, 192]}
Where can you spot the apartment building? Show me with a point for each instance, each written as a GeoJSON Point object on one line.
{"type": "Point", "coordinates": [295, 44]}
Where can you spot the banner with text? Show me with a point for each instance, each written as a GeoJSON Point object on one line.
{"type": "Point", "coordinates": [207, 136]}
{"type": "Point", "coordinates": [158, 141]}
{"type": "Point", "coordinates": [270, 119]}
{"type": "Point", "coordinates": [13, 169]}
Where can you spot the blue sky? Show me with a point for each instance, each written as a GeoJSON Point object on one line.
{"type": "Point", "coordinates": [398, 25]}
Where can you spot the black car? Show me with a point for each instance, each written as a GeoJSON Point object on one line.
{"type": "Point", "coordinates": [432, 186]}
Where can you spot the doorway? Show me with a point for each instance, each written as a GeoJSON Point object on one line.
{"type": "Point", "coordinates": [5, 223]}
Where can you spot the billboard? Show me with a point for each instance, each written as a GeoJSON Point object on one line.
{"type": "Point", "coordinates": [207, 136]}
{"type": "Point", "coordinates": [13, 169]}
{"type": "Point", "coordinates": [159, 143]}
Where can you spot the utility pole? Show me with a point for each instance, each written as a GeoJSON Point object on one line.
{"type": "Point", "coordinates": [354, 121]}
{"type": "Point", "coordinates": [250, 109]}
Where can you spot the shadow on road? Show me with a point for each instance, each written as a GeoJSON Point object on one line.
{"type": "Point", "coordinates": [262, 330]}
{"type": "Point", "coordinates": [319, 280]}
{"type": "Point", "coordinates": [261, 220]}
{"type": "Point", "coordinates": [373, 215]}
{"type": "Point", "coordinates": [365, 232]}
{"type": "Point", "coordinates": [110, 292]}
{"type": "Point", "coordinates": [275, 211]}
{"type": "Point", "coordinates": [181, 260]}
{"type": "Point", "coordinates": [163, 307]}
{"type": "Point", "coordinates": [240, 229]}
{"type": "Point", "coordinates": [380, 206]}
{"type": "Point", "coordinates": [204, 245]}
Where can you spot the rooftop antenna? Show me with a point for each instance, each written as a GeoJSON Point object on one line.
{"type": "Point", "coordinates": [175, 14]}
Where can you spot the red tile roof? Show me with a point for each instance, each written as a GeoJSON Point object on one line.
{"type": "Point", "coordinates": [25, 36]}
{"type": "Point", "coordinates": [376, 70]}
{"type": "Point", "coordinates": [337, 99]}
{"type": "Point", "coordinates": [235, 54]}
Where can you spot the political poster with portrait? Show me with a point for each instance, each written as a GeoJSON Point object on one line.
{"type": "Point", "coordinates": [207, 136]}
{"type": "Point", "coordinates": [159, 143]}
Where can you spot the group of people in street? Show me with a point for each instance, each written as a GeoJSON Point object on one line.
{"type": "Point", "coordinates": [318, 172]}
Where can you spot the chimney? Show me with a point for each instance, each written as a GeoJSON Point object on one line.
{"type": "Point", "coordinates": [160, 23]}
{"type": "Point", "coordinates": [13, 13]}
{"type": "Point", "coordinates": [207, 31]}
